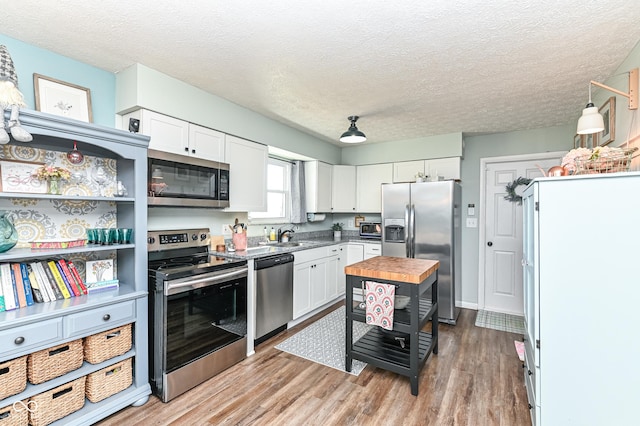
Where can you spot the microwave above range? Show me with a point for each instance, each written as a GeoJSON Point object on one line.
{"type": "Point", "coordinates": [180, 181]}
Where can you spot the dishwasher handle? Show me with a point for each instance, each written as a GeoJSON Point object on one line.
{"type": "Point", "coordinates": [271, 261]}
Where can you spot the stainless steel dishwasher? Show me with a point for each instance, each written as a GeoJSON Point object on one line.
{"type": "Point", "coordinates": [274, 295]}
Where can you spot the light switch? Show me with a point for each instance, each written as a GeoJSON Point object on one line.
{"type": "Point", "coordinates": [472, 222]}
{"type": "Point", "coordinates": [471, 210]}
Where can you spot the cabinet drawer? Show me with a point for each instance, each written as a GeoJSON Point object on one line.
{"type": "Point", "coordinates": [32, 336]}
{"type": "Point", "coordinates": [309, 255]}
{"type": "Point", "coordinates": [89, 322]}
{"type": "Point", "coordinates": [333, 250]}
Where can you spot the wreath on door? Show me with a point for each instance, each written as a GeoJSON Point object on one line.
{"type": "Point", "coordinates": [511, 189]}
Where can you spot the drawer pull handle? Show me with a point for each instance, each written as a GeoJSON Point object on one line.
{"type": "Point", "coordinates": [530, 406]}
{"type": "Point", "coordinates": [59, 350]}
{"type": "Point", "coordinates": [19, 340]}
{"type": "Point", "coordinates": [106, 317]}
{"type": "Point", "coordinates": [110, 335]}
{"type": "Point", "coordinates": [529, 372]}
{"type": "Point", "coordinates": [4, 370]}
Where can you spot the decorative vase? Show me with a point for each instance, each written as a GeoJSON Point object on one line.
{"type": "Point", "coordinates": [8, 233]}
{"type": "Point", "coordinates": [54, 186]}
{"type": "Point", "coordinates": [337, 235]}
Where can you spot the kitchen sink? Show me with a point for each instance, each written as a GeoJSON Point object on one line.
{"type": "Point", "coordinates": [289, 244]}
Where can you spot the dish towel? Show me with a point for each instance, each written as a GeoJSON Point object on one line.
{"type": "Point", "coordinates": [379, 304]}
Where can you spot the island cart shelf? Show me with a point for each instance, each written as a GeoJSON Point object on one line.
{"type": "Point", "coordinates": [413, 278]}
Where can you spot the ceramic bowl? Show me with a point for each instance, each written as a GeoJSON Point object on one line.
{"type": "Point", "coordinates": [401, 302]}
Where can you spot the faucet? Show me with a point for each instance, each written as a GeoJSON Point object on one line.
{"type": "Point", "coordinates": [281, 233]}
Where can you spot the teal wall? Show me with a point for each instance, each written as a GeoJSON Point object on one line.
{"type": "Point", "coordinates": [29, 59]}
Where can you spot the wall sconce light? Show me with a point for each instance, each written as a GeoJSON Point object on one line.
{"type": "Point", "coordinates": [591, 120]}
{"type": "Point", "coordinates": [353, 135]}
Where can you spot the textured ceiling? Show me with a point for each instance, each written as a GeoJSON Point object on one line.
{"type": "Point", "coordinates": [409, 69]}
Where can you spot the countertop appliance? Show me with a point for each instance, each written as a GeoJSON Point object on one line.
{"type": "Point", "coordinates": [274, 295]}
{"type": "Point", "coordinates": [372, 230]}
{"type": "Point", "coordinates": [422, 220]}
{"type": "Point", "coordinates": [182, 181]}
{"type": "Point", "coordinates": [197, 311]}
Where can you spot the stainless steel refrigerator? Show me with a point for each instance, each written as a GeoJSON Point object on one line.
{"type": "Point", "coordinates": [422, 220]}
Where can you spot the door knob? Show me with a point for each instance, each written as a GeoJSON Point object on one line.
{"type": "Point", "coordinates": [490, 243]}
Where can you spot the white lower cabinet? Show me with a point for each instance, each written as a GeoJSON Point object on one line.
{"type": "Point", "coordinates": [315, 279]}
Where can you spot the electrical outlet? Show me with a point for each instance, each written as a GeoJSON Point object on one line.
{"type": "Point", "coordinates": [472, 222]}
{"type": "Point", "coordinates": [351, 224]}
{"type": "Point", "coordinates": [226, 230]}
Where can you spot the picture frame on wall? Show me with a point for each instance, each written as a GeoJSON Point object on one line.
{"type": "Point", "coordinates": [61, 98]}
{"type": "Point", "coordinates": [578, 141]}
{"type": "Point", "coordinates": [17, 176]}
{"type": "Point", "coordinates": [608, 112]}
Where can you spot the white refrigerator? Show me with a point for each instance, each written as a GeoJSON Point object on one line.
{"type": "Point", "coordinates": [422, 221]}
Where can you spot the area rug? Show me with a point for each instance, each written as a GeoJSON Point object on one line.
{"type": "Point", "coordinates": [500, 321]}
{"type": "Point", "coordinates": [323, 341]}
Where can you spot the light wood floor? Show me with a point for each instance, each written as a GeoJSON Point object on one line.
{"type": "Point", "coordinates": [476, 379]}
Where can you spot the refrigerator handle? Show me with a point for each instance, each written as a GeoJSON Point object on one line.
{"type": "Point", "coordinates": [412, 230]}
{"type": "Point", "coordinates": [407, 233]}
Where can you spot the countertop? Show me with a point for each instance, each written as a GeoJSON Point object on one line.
{"type": "Point", "coordinates": [290, 247]}
{"type": "Point", "coordinates": [413, 271]}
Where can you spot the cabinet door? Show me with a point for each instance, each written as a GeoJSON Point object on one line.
{"type": "Point", "coordinates": [301, 289]}
{"type": "Point", "coordinates": [342, 262]}
{"type": "Point", "coordinates": [167, 133]}
{"type": "Point", "coordinates": [343, 189]}
{"type": "Point", "coordinates": [318, 283]}
{"type": "Point", "coordinates": [355, 253]}
{"type": "Point", "coordinates": [247, 174]}
{"type": "Point", "coordinates": [317, 186]}
{"type": "Point", "coordinates": [406, 171]}
{"type": "Point", "coordinates": [447, 167]}
{"type": "Point", "coordinates": [206, 143]}
{"type": "Point", "coordinates": [333, 280]}
{"type": "Point", "coordinates": [369, 178]}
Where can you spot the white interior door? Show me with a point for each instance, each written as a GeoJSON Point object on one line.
{"type": "Point", "coordinates": [503, 291]}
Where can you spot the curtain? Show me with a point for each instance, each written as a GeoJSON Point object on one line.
{"type": "Point", "coordinates": [298, 208]}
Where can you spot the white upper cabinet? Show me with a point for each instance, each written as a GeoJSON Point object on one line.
{"type": "Point", "coordinates": [247, 174]}
{"type": "Point", "coordinates": [317, 177]}
{"type": "Point", "coordinates": [448, 167]}
{"type": "Point", "coordinates": [170, 134]}
{"type": "Point", "coordinates": [206, 143]}
{"type": "Point", "coordinates": [406, 171]}
{"type": "Point", "coordinates": [369, 178]}
{"type": "Point", "coordinates": [343, 193]}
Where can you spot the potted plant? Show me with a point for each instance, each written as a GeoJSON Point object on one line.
{"type": "Point", "coordinates": [337, 231]}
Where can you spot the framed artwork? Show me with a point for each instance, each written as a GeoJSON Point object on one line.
{"type": "Point", "coordinates": [61, 98]}
{"type": "Point", "coordinates": [16, 176]}
{"type": "Point", "coordinates": [608, 111]}
{"type": "Point", "coordinates": [578, 141]}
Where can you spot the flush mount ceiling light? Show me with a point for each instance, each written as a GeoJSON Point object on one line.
{"type": "Point", "coordinates": [591, 120]}
{"type": "Point", "coordinates": [353, 135]}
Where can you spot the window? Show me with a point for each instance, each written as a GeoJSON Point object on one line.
{"type": "Point", "coordinates": [278, 194]}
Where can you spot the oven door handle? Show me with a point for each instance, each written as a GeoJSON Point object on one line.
{"type": "Point", "coordinates": [200, 282]}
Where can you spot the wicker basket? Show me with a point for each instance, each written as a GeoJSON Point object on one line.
{"type": "Point", "coordinates": [109, 381]}
{"type": "Point", "coordinates": [15, 415]}
{"type": "Point", "coordinates": [57, 403]}
{"type": "Point", "coordinates": [611, 162]}
{"type": "Point", "coordinates": [103, 346]}
{"type": "Point", "coordinates": [54, 362]}
{"type": "Point", "coordinates": [13, 377]}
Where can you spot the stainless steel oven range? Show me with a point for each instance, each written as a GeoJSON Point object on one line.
{"type": "Point", "coordinates": [197, 311]}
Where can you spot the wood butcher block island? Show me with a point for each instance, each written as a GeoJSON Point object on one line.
{"type": "Point", "coordinates": [412, 277]}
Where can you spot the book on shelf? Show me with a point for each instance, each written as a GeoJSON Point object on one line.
{"type": "Point", "coordinates": [57, 278]}
{"type": "Point", "coordinates": [28, 291]}
{"type": "Point", "coordinates": [43, 281]}
{"type": "Point", "coordinates": [54, 284]}
{"type": "Point", "coordinates": [103, 285]}
{"type": "Point", "coordinates": [10, 298]}
{"type": "Point", "coordinates": [76, 275]}
{"type": "Point", "coordinates": [39, 294]}
{"type": "Point", "coordinates": [77, 290]}
{"type": "Point", "coordinates": [16, 276]}
{"type": "Point", "coordinates": [73, 290]}
{"type": "Point", "coordinates": [2, 308]}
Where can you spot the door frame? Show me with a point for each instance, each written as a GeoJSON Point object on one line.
{"type": "Point", "coordinates": [484, 162]}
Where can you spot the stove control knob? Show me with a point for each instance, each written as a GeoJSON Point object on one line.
{"type": "Point", "coordinates": [203, 237]}
{"type": "Point", "coordinates": [151, 240]}
{"type": "Point", "coordinates": [194, 237]}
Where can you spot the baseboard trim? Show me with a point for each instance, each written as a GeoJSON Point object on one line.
{"type": "Point", "coordinates": [467, 305]}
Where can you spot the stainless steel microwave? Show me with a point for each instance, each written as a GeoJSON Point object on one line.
{"type": "Point", "coordinates": [181, 181]}
{"type": "Point", "coordinates": [371, 230]}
